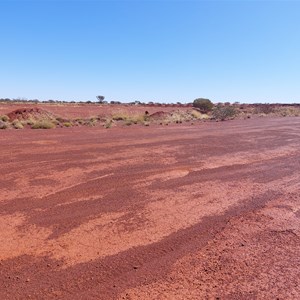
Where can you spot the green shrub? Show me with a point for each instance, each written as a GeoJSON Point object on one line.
{"type": "Point", "coordinates": [205, 105]}
{"type": "Point", "coordinates": [224, 112]}
{"type": "Point", "coordinates": [43, 124]}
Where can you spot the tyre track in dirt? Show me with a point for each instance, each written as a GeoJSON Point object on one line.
{"type": "Point", "coordinates": [140, 213]}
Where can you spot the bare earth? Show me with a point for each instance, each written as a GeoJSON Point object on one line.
{"type": "Point", "coordinates": [210, 211]}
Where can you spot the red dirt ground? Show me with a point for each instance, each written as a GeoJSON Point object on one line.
{"type": "Point", "coordinates": [210, 211]}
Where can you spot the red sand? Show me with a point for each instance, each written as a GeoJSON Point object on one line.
{"type": "Point", "coordinates": [209, 211]}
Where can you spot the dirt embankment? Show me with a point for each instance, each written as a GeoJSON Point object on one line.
{"type": "Point", "coordinates": [107, 116]}
{"type": "Point", "coordinates": [71, 111]}
{"type": "Point", "coordinates": [47, 116]}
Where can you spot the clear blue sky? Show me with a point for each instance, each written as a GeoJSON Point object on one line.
{"type": "Point", "coordinates": [167, 51]}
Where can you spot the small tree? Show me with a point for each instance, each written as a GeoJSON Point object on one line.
{"type": "Point", "coordinates": [205, 105]}
{"type": "Point", "coordinates": [100, 98]}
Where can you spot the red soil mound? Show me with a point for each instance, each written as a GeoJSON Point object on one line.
{"type": "Point", "coordinates": [30, 113]}
{"type": "Point", "coordinates": [158, 115]}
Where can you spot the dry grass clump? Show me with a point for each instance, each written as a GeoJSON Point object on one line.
{"type": "Point", "coordinates": [205, 117]}
{"type": "Point", "coordinates": [198, 115]}
{"type": "Point", "coordinates": [108, 123]}
{"type": "Point", "coordinates": [129, 122]}
{"type": "Point", "coordinates": [138, 118]}
{"type": "Point", "coordinates": [43, 124]}
{"type": "Point", "coordinates": [17, 124]}
{"type": "Point", "coordinates": [67, 124]}
{"type": "Point", "coordinates": [175, 117]}
{"type": "Point", "coordinates": [91, 122]}
{"type": "Point", "coordinates": [128, 118]}
{"type": "Point", "coordinates": [120, 116]}
{"type": "Point", "coordinates": [264, 109]}
{"type": "Point", "coordinates": [4, 118]}
{"type": "Point", "coordinates": [80, 121]}
{"type": "Point", "coordinates": [29, 122]}
{"type": "Point", "coordinates": [224, 113]}
{"type": "Point", "coordinates": [288, 111]}
{"type": "Point", "coordinates": [185, 116]}
{"type": "Point", "coordinates": [3, 125]}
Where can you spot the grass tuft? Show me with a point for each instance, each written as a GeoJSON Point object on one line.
{"type": "Point", "coordinates": [17, 124]}
{"type": "Point", "coordinates": [67, 124]}
{"type": "Point", "coordinates": [43, 124]}
{"type": "Point", "coordinates": [4, 118]}
{"type": "Point", "coordinates": [3, 125]}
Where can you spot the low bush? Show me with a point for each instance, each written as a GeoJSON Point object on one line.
{"type": "Point", "coordinates": [91, 122]}
{"type": "Point", "coordinates": [67, 124]}
{"type": "Point", "coordinates": [17, 124]}
{"type": "Point", "coordinates": [264, 109]}
{"type": "Point", "coordinates": [288, 111]}
{"type": "Point", "coordinates": [197, 115]}
{"type": "Point", "coordinates": [129, 122]}
{"type": "Point", "coordinates": [224, 113]}
{"type": "Point", "coordinates": [43, 124]}
{"type": "Point", "coordinates": [3, 125]}
{"type": "Point", "coordinates": [120, 116]}
{"type": "Point", "coordinates": [80, 121]}
{"type": "Point", "coordinates": [4, 118]}
{"type": "Point", "coordinates": [29, 121]}
{"type": "Point", "coordinates": [108, 123]}
{"type": "Point", "coordinates": [137, 118]}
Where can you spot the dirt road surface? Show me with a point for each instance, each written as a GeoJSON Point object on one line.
{"type": "Point", "coordinates": [210, 211]}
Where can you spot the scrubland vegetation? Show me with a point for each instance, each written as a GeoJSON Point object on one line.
{"type": "Point", "coordinates": [201, 109]}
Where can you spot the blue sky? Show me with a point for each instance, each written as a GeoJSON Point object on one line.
{"type": "Point", "coordinates": [166, 51]}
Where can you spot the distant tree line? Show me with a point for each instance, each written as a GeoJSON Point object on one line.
{"type": "Point", "coordinates": [100, 101]}
{"type": "Point", "coordinates": [203, 104]}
